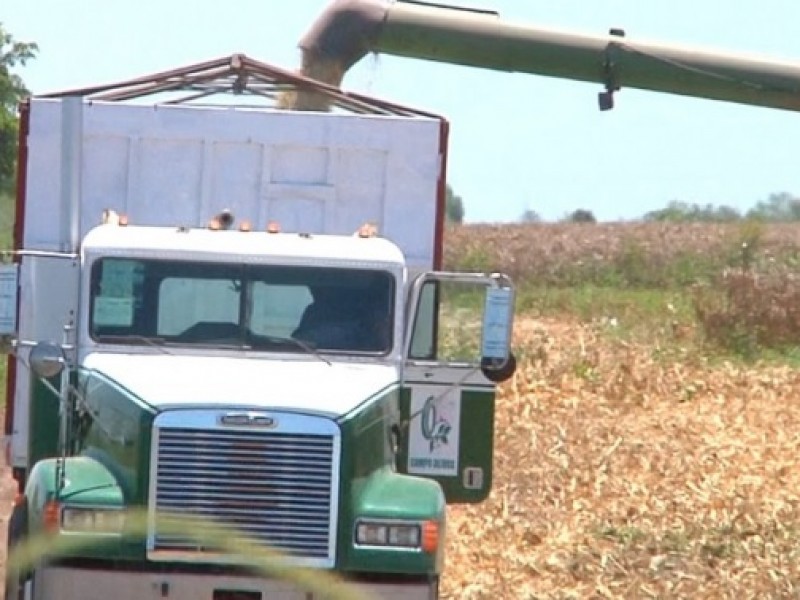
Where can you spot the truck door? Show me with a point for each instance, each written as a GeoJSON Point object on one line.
{"type": "Point", "coordinates": [457, 349]}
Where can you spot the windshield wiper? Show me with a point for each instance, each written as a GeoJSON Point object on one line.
{"type": "Point", "coordinates": [277, 340]}
{"type": "Point", "coordinates": [261, 341]}
{"type": "Point", "coordinates": [156, 342]}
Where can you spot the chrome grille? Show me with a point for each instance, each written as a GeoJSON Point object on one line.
{"type": "Point", "coordinates": [275, 487]}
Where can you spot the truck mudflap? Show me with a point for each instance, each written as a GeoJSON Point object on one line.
{"type": "Point", "coordinates": [71, 583]}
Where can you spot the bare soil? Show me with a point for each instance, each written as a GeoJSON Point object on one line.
{"type": "Point", "coordinates": [8, 488]}
{"type": "Point", "coordinates": [624, 473]}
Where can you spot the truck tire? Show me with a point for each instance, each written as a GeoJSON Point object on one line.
{"type": "Point", "coordinates": [17, 530]}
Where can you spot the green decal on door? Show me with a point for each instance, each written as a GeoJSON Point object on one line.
{"type": "Point", "coordinates": [434, 432]}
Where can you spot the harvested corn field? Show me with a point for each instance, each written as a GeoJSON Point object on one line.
{"type": "Point", "coordinates": [622, 475]}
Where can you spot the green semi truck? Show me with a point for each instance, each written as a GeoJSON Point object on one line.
{"type": "Point", "coordinates": [231, 313]}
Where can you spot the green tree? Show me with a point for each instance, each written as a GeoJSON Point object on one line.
{"type": "Point", "coordinates": [12, 90]}
{"type": "Point", "coordinates": [582, 215]}
{"type": "Point", "coordinates": [681, 212]}
{"type": "Point", "coordinates": [530, 216]}
{"type": "Point", "coordinates": [780, 207]}
{"type": "Point", "coordinates": [454, 206]}
{"type": "Point", "coordinates": [726, 214]}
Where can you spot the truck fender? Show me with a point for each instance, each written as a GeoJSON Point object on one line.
{"type": "Point", "coordinates": [87, 481]}
{"type": "Point", "coordinates": [387, 494]}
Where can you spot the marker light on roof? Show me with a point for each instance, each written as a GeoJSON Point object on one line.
{"type": "Point", "coordinates": [112, 217]}
{"type": "Point", "coordinates": [245, 226]}
{"type": "Point", "coordinates": [273, 227]}
{"type": "Point", "coordinates": [367, 230]}
{"type": "Point", "coordinates": [222, 220]}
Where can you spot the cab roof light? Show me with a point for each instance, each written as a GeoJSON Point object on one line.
{"type": "Point", "coordinates": [273, 227]}
{"type": "Point", "coordinates": [245, 226]}
{"type": "Point", "coordinates": [367, 230]}
{"type": "Point", "coordinates": [222, 220]}
{"type": "Point", "coordinates": [112, 217]}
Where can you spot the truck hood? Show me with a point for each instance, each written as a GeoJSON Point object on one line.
{"type": "Point", "coordinates": [170, 381]}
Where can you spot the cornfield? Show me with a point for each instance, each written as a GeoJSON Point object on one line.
{"type": "Point", "coordinates": [640, 466]}
{"type": "Point", "coordinates": [618, 254]}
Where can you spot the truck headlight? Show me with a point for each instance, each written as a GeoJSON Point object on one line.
{"type": "Point", "coordinates": [372, 534]}
{"type": "Point", "coordinates": [81, 519]}
{"type": "Point", "coordinates": [389, 533]}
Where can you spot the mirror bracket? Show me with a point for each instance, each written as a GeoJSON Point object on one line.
{"type": "Point", "coordinates": [47, 359]}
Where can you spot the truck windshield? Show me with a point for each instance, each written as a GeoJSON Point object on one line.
{"type": "Point", "coordinates": [259, 307]}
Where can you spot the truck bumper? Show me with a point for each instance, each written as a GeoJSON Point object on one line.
{"type": "Point", "coordinates": [70, 583]}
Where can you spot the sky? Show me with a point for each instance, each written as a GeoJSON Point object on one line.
{"type": "Point", "coordinates": [518, 142]}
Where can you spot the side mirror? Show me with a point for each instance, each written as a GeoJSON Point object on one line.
{"type": "Point", "coordinates": [47, 359]}
{"type": "Point", "coordinates": [497, 362]}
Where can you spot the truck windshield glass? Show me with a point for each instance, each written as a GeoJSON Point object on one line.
{"type": "Point", "coordinates": [259, 307]}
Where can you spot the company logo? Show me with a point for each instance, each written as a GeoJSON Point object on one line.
{"type": "Point", "coordinates": [435, 428]}
{"type": "Point", "coordinates": [248, 419]}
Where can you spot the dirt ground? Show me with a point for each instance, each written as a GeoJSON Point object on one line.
{"type": "Point", "coordinates": [629, 469]}
{"type": "Point", "coordinates": [7, 493]}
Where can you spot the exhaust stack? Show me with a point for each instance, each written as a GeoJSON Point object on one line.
{"type": "Point", "coordinates": [349, 29]}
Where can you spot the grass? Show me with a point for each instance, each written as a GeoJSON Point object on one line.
{"type": "Point", "coordinates": [629, 310]}
{"type": "Point", "coordinates": [6, 220]}
{"type": "Point", "coordinates": [732, 288]}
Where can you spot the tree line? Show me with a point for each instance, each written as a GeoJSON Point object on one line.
{"type": "Point", "coordinates": [779, 207]}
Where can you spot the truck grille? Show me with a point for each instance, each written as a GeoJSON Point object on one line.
{"type": "Point", "coordinates": [275, 487]}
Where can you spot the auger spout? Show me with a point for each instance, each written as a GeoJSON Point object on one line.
{"type": "Point", "coordinates": [350, 29]}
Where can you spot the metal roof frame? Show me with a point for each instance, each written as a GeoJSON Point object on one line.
{"type": "Point", "coordinates": [236, 74]}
